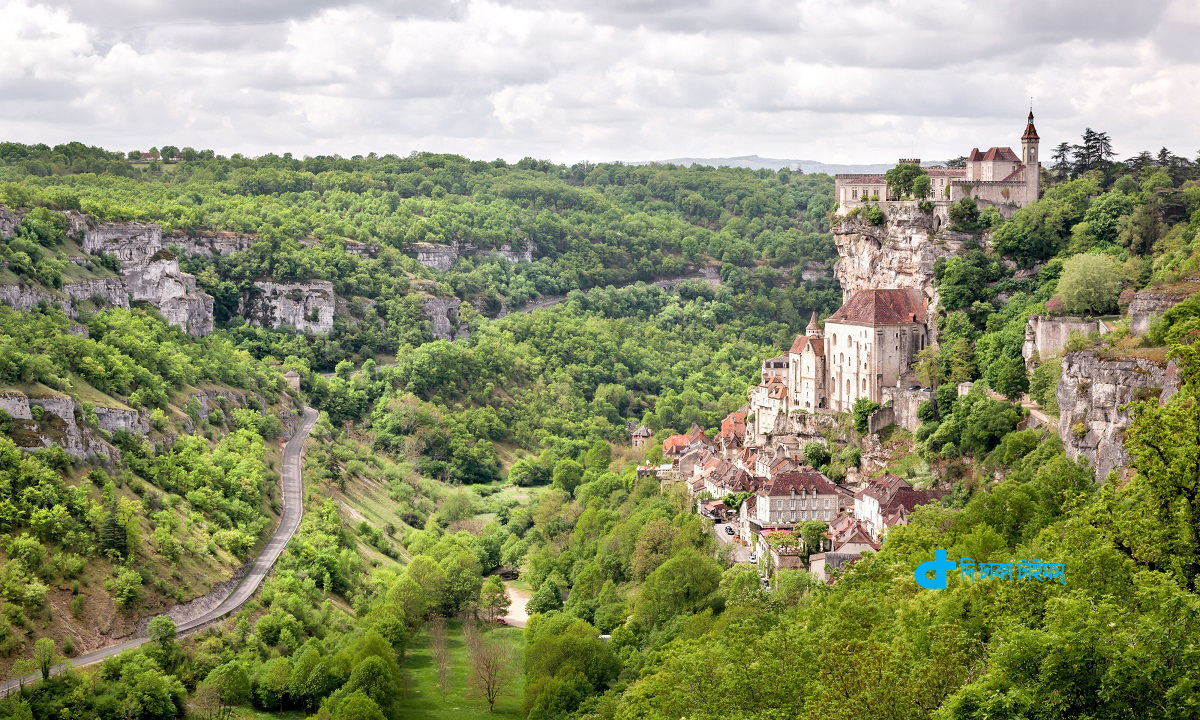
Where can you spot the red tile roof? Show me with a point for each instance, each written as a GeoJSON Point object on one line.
{"type": "Point", "coordinates": [1030, 130]}
{"type": "Point", "coordinates": [806, 478]}
{"type": "Point", "coordinates": [804, 341]}
{"type": "Point", "coordinates": [1002, 154]}
{"type": "Point", "coordinates": [675, 444]}
{"type": "Point", "coordinates": [889, 306]}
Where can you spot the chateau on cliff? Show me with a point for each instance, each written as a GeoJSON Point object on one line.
{"type": "Point", "coordinates": [997, 177]}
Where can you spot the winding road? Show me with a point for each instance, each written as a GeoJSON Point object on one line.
{"type": "Point", "coordinates": [293, 510]}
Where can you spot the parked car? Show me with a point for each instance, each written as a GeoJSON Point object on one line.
{"type": "Point", "coordinates": [753, 558]}
{"type": "Point", "coordinates": [728, 529]}
{"type": "Point", "coordinates": [501, 621]}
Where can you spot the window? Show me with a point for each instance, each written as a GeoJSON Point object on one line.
{"type": "Point", "coordinates": [855, 196]}
{"type": "Point", "coordinates": [864, 384]}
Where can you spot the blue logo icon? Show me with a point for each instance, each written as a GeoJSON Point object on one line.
{"type": "Point", "coordinates": [939, 566]}
{"type": "Point", "coordinates": [1039, 570]}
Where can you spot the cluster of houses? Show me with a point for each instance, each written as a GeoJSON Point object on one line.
{"type": "Point", "coordinates": [754, 475]}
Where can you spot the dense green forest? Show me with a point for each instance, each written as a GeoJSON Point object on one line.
{"type": "Point", "coordinates": [435, 463]}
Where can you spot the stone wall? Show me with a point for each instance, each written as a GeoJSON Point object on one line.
{"type": "Point", "coordinates": [307, 306]}
{"type": "Point", "coordinates": [1046, 336]}
{"type": "Point", "coordinates": [1149, 304]}
{"type": "Point", "coordinates": [1093, 395]}
{"type": "Point", "coordinates": [904, 404]}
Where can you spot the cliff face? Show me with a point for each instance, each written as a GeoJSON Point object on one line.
{"type": "Point", "coordinates": [151, 272]}
{"type": "Point", "coordinates": [306, 306]}
{"type": "Point", "coordinates": [442, 257]}
{"type": "Point", "coordinates": [1149, 304]}
{"type": "Point", "coordinates": [211, 243]}
{"type": "Point", "coordinates": [898, 254]}
{"type": "Point", "coordinates": [1092, 396]}
{"type": "Point", "coordinates": [109, 291]}
{"type": "Point", "coordinates": [56, 426]}
{"type": "Point", "coordinates": [443, 313]}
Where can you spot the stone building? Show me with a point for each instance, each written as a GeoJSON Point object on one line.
{"type": "Point", "coordinates": [870, 343]}
{"type": "Point", "coordinates": [807, 370]}
{"type": "Point", "coordinates": [996, 176]}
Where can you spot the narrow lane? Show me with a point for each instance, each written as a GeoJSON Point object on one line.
{"type": "Point", "coordinates": [293, 510]}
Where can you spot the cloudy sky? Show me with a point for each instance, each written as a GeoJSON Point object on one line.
{"type": "Point", "coordinates": [570, 80]}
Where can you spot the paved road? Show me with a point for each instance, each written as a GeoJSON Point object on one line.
{"type": "Point", "coordinates": [293, 509]}
{"type": "Point", "coordinates": [741, 553]}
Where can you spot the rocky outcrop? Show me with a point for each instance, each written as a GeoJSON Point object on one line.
{"type": "Point", "coordinates": [8, 222]}
{"type": "Point", "coordinates": [158, 281]}
{"type": "Point", "coordinates": [1046, 336]}
{"type": "Point", "coordinates": [114, 419]}
{"type": "Point", "coordinates": [442, 257]}
{"type": "Point", "coordinates": [443, 313]}
{"type": "Point", "coordinates": [517, 255]}
{"type": "Point", "coordinates": [222, 243]}
{"type": "Point", "coordinates": [150, 271]}
{"type": "Point", "coordinates": [1149, 304]}
{"type": "Point", "coordinates": [307, 306]}
{"type": "Point", "coordinates": [109, 292]}
{"type": "Point", "coordinates": [1093, 395]}
{"type": "Point", "coordinates": [898, 254]}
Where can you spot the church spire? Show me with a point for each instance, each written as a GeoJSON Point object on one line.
{"type": "Point", "coordinates": [1030, 130]}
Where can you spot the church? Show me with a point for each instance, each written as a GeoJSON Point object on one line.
{"type": "Point", "coordinates": [869, 344]}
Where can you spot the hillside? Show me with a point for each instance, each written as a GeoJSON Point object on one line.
{"type": "Point", "coordinates": [439, 463]}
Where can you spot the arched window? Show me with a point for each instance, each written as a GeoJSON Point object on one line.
{"type": "Point", "coordinates": [847, 386]}
{"type": "Point", "coordinates": [864, 384]}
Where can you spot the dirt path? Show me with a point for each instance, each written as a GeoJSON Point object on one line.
{"type": "Point", "coordinates": [517, 617]}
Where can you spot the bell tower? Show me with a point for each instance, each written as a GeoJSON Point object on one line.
{"type": "Point", "coordinates": [1029, 156]}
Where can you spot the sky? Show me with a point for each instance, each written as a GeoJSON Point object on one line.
{"type": "Point", "coordinates": [600, 80]}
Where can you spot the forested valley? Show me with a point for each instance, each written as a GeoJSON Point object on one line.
{"type": "Point", "coordinates": [139, 460]}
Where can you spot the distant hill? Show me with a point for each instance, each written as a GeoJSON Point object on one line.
{"type": "Point", "coordinates": [810, 167]}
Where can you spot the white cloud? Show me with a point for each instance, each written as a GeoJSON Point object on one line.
{"type": "Point", "coordinates": [599, 80]}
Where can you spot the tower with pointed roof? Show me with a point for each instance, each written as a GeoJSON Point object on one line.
{"type": "Point", "coordinates": [1029, 157]}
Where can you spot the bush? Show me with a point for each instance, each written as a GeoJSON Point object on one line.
{"type": "Point", "coordinates": [864, 408]}
{"type": "Point", "coordinates": [1090, 284]}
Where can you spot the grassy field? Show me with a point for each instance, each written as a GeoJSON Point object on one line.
{"type": "Point", "coordinates": [423, 701]}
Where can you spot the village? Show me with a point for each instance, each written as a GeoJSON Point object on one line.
{"type": "Point", "coordinates": [755, 479]}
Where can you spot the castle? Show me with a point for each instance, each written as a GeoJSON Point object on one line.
{"type": "Point", "coordinates": [997, 177]}
{"type": "Point", "coordinates": [869, 344]}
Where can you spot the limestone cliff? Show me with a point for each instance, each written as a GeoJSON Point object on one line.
{"type": "Point", "coordinates": [442, 257]}
{"type": "Point", "coordinates": [150, 271]}
{"type": "Point", "coordinates": [1149, 304]}
{"type": "Point", "coordinates": [56, 424]}
{"type": "Point", "coordinates": [443, 313]}
{"type": "Point", "coordinates": [1093, 395]}
{"type": "Point", "coordinates": [898, 254]}
{"type": "Point", "coordinates": [307, 306]}
{"type": "Point", "coordinates": [109, 292]}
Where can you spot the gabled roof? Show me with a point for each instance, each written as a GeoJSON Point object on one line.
{"type": "Point", "coordinates": [1001, 154]}
{"type": "Point", "coordinates": [906, 498]}
{"type": "Point", "coordinates": [887, 306]}
{"type": "Point", "coordinates": [884, 487]}
{"type": "Point", "coordinates": [1013, 175]}
{"type": "Point", "coordinates": [642, 431]}
{"type": "Point", "coordinates": [806, 342]}
{"type": "Point", "coordinates": [675, 444]}
{"type": "Point", "coordinates": [806, 478]}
